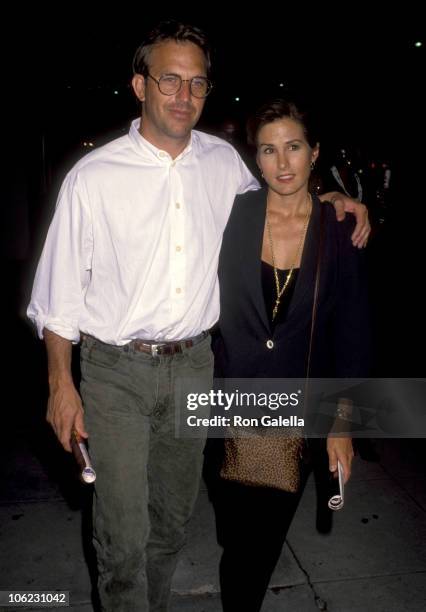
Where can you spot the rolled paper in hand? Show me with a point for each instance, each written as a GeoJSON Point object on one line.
{"type": "Point", "coordinates": [337, 500]}
{"type": "Point", "coordinates": [81, 455]}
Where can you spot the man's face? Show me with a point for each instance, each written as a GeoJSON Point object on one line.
{"type": "Point", "coordinates": [168, 120]}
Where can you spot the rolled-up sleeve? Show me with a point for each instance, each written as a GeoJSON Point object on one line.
{"type": "Point", "coordinates": [63, 272]}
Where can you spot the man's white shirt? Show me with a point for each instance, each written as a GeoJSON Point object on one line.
{"type": "Point", "coordinates": [133, 247]}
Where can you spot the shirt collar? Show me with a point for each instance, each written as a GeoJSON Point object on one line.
{"type": "Point", "coordinates": [148, 148]}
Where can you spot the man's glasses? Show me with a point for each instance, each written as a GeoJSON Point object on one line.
{"type": "Point", "coordinates": [170, 84]}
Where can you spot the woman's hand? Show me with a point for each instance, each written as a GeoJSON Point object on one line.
{"type": "Point", "coordinates": [340, 449]}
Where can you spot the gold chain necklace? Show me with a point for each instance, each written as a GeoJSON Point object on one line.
{"type": "Point", "coordinates": [281, 290]}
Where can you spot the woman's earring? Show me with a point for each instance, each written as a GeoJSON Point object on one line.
{"type": "Point", "coordinates": [312, 165]}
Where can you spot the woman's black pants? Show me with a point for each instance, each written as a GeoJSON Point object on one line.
{"type": "Point", "coordinates": [252, 525]}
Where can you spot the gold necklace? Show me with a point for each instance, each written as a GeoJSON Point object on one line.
{"type": "Point", "coordinates": [281, 290]}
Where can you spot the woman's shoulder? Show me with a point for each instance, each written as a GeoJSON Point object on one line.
{"type": "Point", "coordinates": [245, 204]}
{"type": "Point", "coordinates": [344, 227]}
{"type": "Point", "coordinates": [250, 198]}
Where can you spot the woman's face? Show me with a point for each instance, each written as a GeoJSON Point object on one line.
{"type": "Point", "coordinates": [284, 156]}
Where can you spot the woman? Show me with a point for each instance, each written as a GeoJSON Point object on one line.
{"type": "Point", "coordinates": [267, 276]}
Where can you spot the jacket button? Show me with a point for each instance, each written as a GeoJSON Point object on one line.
{"type": "Point", "coordinates": [269, 344]}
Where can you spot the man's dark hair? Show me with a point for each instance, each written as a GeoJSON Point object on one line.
{"type": "Point", "coordinates": [169, 30]}
{"type": "Point", "coordinates": [281, 109]}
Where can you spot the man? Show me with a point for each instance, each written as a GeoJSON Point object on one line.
{"type": "Point", "coordinates": [130, 265]}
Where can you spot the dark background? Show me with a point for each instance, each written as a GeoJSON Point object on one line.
{"type": "Point", "coordinates": [71, 68]}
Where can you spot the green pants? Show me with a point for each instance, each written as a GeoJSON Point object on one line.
{"type": "Point", "coordinates": [147, 477]}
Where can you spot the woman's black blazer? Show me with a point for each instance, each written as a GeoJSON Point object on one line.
{"type": "Point", "coordinates": [247, 347]}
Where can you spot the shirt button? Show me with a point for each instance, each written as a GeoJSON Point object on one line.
{"type": "Point", "coordinates": [178, 249]}
{"type": "Point", "coordinates": [269, 344]}
{"type": "Point", "coordinates": [177, 205]}
{"type": "Point", "coordinates": [178, 290]}
{"type": "Point", "coordinates": [162, 154]}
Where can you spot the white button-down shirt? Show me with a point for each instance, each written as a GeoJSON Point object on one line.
{"type": "Point", "coordinates": [133, 247]}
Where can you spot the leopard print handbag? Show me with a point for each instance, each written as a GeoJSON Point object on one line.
{"type": "Point", "coordinates": [259, 459]}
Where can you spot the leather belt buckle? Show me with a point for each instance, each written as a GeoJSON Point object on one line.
{"type": "Point", "coordinates": [167, 348]}
{"type": "Point", "coordinates": [154, 349]}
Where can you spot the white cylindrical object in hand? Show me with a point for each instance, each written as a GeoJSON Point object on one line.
{"type": "Point", "coordinates": [81, 455]}
{"type": "Point", "coordinates": [337, 501]}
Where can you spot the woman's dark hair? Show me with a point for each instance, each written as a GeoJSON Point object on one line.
{"type": "Point", "coordinates": [281, 109]}
{"type": "Point", "coordinates": [169, 30]}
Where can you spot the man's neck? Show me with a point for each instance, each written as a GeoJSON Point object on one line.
{"type": "Point", "coordinates": [172, 146]}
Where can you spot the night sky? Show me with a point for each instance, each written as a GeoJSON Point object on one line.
{"type": "Point", "coordinates": [358, 68]}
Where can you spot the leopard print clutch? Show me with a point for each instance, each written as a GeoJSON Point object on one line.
{"type": "Point", "coordinates": [264, 459]}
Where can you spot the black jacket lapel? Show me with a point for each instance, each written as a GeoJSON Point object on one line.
{"type": "Point", "coordinates": [253, 237]}
{"type": "Point", "coordinates": [306, 276]}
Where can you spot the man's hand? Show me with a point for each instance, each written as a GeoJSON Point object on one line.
{"type": "Point", "coordinates": [344, 204]}
{"type": "Point", "coordinates": [65, 413]}
{"type": "Point", "coordinates": [340, 449]}
{"type": "Point", "coordinates": [64, 408]}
